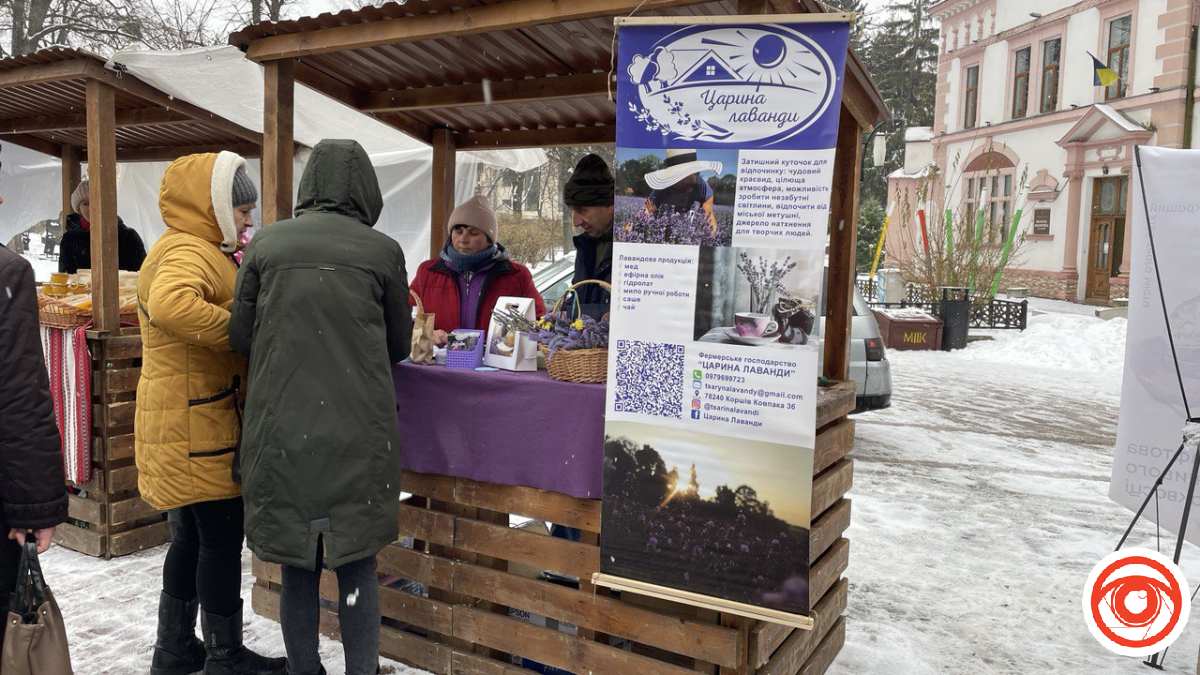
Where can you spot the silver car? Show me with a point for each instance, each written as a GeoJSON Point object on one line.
{"type": "Point", "coordinates": [869, 367]}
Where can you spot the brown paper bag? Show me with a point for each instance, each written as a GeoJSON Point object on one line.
{"type": "Point", "coordinates": [422, 334]}
{"type": "Point", "coordinates": [35, 639]}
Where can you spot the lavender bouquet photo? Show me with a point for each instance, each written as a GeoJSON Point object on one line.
{"type": "Point", "coordinates": [765, 279]}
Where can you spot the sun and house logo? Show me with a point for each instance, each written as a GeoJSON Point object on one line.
{"type": "Point", "coordinates": [732, 84]}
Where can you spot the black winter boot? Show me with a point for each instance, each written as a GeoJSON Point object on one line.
{"type": "Point", "coordinates": [226, 655]}
{"type": "Point", "coordinates": [177, 651]}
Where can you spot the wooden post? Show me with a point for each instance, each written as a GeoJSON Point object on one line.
{"type": "Point", "coordinates": [843, 238]}
{"type": "Point", "coordinates": [443, 189]}
{"type": "Point", "coordinates": [102, 193]}
{"type": "Point", "coordinates": [278, 149]}
{"type": "Point", "coordinates": [71, 175]}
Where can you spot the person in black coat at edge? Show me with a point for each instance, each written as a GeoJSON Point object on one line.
{"type": "Point", "coordinates": [33, 492]}
{"type": "Point", "coordinates": [75, 249]}
{"type": "Point", "coordinates": [589, 194]}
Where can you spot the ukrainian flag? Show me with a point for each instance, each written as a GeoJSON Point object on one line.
{"type": "Point", "coordinates": [1104, 76]}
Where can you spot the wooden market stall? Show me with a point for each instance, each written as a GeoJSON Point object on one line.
{"type": "Point", "coordinates": [65, 103]}
{"type": "Point", "coordinates": [481, 74]}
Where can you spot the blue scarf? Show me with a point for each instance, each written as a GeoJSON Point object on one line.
{"type": "Point", "coordinates": [467, 263]}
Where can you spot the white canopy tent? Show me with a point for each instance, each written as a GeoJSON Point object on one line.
{"type": "Point", "coordinates": [221, 80]}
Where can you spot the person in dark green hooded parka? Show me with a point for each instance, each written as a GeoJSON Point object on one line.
{"type": "Point", "coordinates": [321, 309]}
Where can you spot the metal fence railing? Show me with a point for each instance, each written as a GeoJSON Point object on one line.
{"type": "Point", "coordinates": [985, 312]}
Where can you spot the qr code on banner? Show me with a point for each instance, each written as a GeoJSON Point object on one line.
{"type": "Point", "coordinates": [649, 378]}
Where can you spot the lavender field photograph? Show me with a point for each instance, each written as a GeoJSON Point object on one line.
{"type": "Point", "coordinates": [758, 297]}
{"type": "Point", "coordinates": [708, 514]}
{"type": "Point", "coordinates": [675, 196]}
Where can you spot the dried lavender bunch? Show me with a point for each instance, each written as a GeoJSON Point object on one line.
{"type": "Point", "coordinates": [510, 319]}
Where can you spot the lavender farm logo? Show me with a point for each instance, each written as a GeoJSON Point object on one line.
{"type": "Point", "coordinates": [735, 85]}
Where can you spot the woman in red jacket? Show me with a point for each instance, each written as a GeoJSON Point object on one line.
{"type": "Point", "coordinates": [461, 286]}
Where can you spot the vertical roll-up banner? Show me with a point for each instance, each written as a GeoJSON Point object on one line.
{"type": "Point", "coordinates": [726, 129]}
{"type": "Point", "coordinates": [1152, 416]}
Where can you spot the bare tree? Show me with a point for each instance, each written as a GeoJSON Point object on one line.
{"type": "Point", "coordinates": [257, 11]}
{"type": "Point", "coordinates": [101, 25]}
{"type": "Point", "coordinates": [182, 24]}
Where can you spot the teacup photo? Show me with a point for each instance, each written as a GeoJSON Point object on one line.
{"type": "Point", "coordinates": [753, 324]}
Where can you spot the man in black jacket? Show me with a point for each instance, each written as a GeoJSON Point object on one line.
{"type": "Point", "coordinates": [33, 493]}
{"type": "Point", "coordinates": [589, 194]}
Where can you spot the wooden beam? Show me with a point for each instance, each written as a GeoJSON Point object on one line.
{"type": "Point", "coordinates": [843, 237]}
{"type": "Point", "coordinates": [135, 87]}
{"type": "Point", "coordinates": [507, 91]}
{"type": "Point", "coordinates": [329, 85]}
{"type": "Point", "coordinates": [278, 121]}
{"type": "Point", "coordinates": [34, 143]}
{"type": "Point", "coordinates": [140, 117]}
{"type": "Point", "coordinates": [754, 7]}
{"type": "Point", "coordinates": [442, 192]}
{"type": "Point", "coordinates": [406, 124]}
{"type": "Point", "coordinates": [71, 175]}
{"type": "Point", "coordinates": [46, 72]}
{"type": "Point", "coordinates": [102, 185]}
{"type": "Point", "coordinates": [537, 138]}
{"type": "Point", "coordinates": [169, 153]}
{"type": "Point", "coordinates": [470, 21]}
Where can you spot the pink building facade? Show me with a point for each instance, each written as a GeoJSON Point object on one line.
{"type": "Point", "coordinates": [1016, 100]}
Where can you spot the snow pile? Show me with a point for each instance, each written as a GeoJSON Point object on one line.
{"type": "Point", "coordinates": [907, 313]}
{"type": "Point", "coordinates": [1066, 341]}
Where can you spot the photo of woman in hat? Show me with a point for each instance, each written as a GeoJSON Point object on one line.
{"type": "Point", "coordinates": [677, 186]}
{"type": "Point", "coordinates": [675, 196]}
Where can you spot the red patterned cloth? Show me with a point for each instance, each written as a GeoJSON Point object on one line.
{"type": "Point", "coordinates": [70, 368]}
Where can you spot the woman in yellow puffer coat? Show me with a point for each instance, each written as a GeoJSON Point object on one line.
{"type": "Point", "coordinates": [188, 422]}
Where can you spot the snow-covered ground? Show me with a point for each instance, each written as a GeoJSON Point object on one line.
{"type": "Point", "coordinates": [1050, 305]}
{"type": "Point", "coordinates": [111, 608]}
{"type": "Point", "coordinates": [980, 504]}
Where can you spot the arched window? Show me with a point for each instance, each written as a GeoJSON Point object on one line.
{"type": "Point", "coordinates": [994, 172]}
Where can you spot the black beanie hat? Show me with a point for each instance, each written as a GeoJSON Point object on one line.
{"type": "Point", "coordinates": [591, 184]}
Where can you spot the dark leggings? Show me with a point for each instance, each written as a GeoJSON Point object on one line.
{"type": "Point", "coordinates": [358, 616]}
{"type": "Point", "coordinates": [205, 557]}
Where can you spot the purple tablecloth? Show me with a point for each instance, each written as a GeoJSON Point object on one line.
{"type": "Point", "coordinates": [502, 427]}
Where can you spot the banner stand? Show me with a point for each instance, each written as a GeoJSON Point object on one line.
{"type": "Point", "coordinates": [1156, 660]}
{"type": "Point", "coordinates": [703, 601]}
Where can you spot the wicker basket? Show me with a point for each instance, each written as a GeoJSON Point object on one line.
{"type": "Point", "coordinates": [55, 313]}
{"type": "Point", "coordinates": [589, 366]}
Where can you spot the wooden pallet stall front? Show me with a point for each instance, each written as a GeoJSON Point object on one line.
{"type": "Point", "coordinates": [476, 596]}
{"type": "Point", "coordinates": [107, 517]}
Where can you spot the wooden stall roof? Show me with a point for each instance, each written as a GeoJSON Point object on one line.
{"type": "Point", "coordinates": [43, 106]}
{"type": "Point", "coordinates": [497, 73]}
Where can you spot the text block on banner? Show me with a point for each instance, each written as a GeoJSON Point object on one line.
{"type": "Point", "coordinates": [1150, 428]}
{"type": "Point", "coordinates": [725, 148]}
